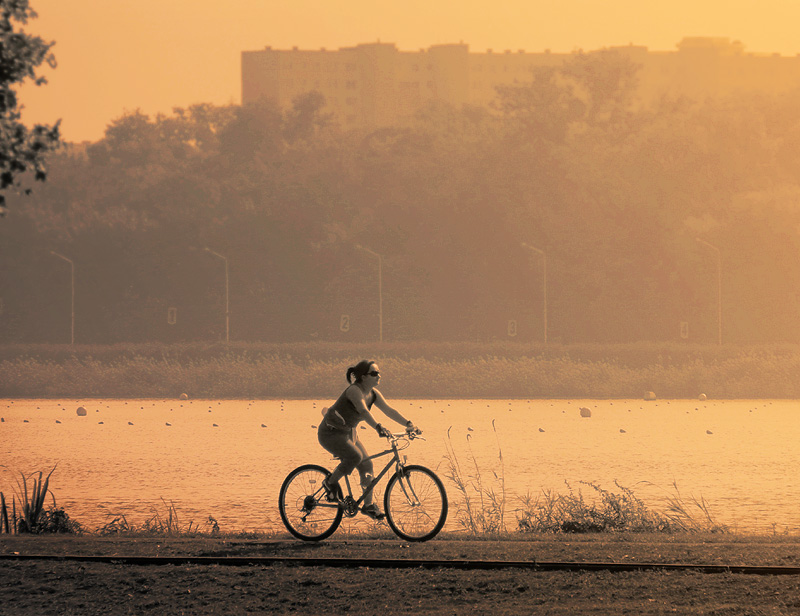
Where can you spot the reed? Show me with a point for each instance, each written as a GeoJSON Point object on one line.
{"type": "Point", "coordinates": [160, 523]}
{"type": "Point", "coordinates": [33, 517]}
{"type": "Point", "coordinates": [480, 504]}
{"type": "Point", "coordinates": [481, 509]}
{"type": "Point", "coordinates": [612, 511]}
{"type": "Point", "coordinates": [242, 370]}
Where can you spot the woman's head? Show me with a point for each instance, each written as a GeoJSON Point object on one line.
{"type": "Point", "coordinates": [364, 368]}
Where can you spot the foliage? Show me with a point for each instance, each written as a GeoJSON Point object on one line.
{"type": "Point", "coordinates": [21, 54]}
{"type": "Point", "coordinates": [615, 194]}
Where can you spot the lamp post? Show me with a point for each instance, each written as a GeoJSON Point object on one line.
{"type": "Point", "coordinates": [719, 287]}
{"type": "Point", "coordinates": [544, 284]}
{"type": "Point", "coordinates": [380, 289]}
{"type": "Point", "coordinates": [227, 305]}
{"type": "Point", "coordinates": [72, 293]}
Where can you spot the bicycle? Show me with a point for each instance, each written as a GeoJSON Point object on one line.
{"type": "Point", "coordinates": [415, 501]}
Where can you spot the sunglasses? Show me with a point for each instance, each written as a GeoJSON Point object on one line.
{"type": "Point", "coordinates": [374, 373]}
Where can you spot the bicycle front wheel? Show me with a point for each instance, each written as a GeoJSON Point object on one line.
{"type": "Point", "coordinates": [415, 503]}
{"type": "Point", "coordinates": [304, 509]}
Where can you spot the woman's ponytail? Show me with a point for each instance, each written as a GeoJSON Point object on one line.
{"type": "Point", "coordinates": [359, 370]}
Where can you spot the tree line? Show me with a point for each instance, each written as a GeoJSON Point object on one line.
{"type": "Point", "coordinates": [461, 208]}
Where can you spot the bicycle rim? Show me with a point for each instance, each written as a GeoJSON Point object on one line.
{"type": "Point", "coordinates": [303, 507]}
{"type": "Point", "coordinates": [415, 503]}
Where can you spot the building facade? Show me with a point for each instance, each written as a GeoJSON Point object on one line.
{"type": "Point", "coordinates": [375, 84]}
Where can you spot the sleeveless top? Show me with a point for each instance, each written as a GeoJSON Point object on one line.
{"type": "Point", "coordinates": [342, 414]}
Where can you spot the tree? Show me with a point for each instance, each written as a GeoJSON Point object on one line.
{"type": "Point", "coordinates": [21, 148]}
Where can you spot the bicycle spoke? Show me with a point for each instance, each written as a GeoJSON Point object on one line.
{"type": "Point", "coordinates": [416, 504]}
{"type": "Point", "coordinates": [303, 506]}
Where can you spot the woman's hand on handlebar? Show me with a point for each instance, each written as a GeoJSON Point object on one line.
{"type": "Point", "coordinates": [412, 429]}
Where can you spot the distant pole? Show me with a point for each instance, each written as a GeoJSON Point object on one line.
{"type": "Point", "coordinates": [227, 304]}
{"type": "Point", "coordinates": [380, 289]}
{"type": "Point", "coordinates": [544, 284]}
{"type": "Point", "coordinates": [719, 287]}
{"type": "Point", "coordinates": [72, 293]}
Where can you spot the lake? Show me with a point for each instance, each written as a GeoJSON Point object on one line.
{"type": "Point", "coordinates": [227, 459]}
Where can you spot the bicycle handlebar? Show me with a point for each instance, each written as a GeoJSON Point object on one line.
{"type": "Point", "coordinates": [404, 435]}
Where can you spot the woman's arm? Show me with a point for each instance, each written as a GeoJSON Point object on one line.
{"type": "Point", "coordinates": [391, 413]}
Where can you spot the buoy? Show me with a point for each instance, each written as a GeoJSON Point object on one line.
{"type": "Point", "coordinates": [81, 411]}
{"type": "Point", "coordinates": [184, 396]}
{"type": "Point", "coordinates": [649, 395]}
{"type": "Point", "coordinates": [585, 412]}
{"type": "Point", "coordinates": [702, 397]}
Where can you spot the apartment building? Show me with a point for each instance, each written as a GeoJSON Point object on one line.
{"type": "Point", "coordinates": [374, 84]}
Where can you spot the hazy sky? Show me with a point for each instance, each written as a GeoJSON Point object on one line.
{"type": "Point", "coordinates": [153, 55]}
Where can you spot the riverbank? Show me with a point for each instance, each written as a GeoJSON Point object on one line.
{"type": "Point", "coordinates": [508, 370]}
{"type": "Point", "coordinates": [44, 587]}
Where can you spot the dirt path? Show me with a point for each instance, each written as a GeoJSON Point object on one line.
{"type": "Point", "coordinates": [59, 587]}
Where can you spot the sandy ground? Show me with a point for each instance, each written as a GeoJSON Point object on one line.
{"type": "Point", "coordinates": [44, 587]}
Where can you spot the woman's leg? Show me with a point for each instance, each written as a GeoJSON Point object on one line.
{"type": "Point", "coordinates": [341, 445]}
{"type": "Point", "coordinates": [365, 470]}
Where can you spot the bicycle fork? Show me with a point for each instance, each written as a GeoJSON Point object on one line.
{"type": "Point", "coordinates": [406, 486]}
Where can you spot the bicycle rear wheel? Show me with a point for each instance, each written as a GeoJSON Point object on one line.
{"type": "Point", "coordinates": [415, 503]}
{"type": "Point", "coordinates": [304, 509]}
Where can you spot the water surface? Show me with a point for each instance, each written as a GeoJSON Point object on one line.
{"type": "Point", "coordinates": [227, 458]}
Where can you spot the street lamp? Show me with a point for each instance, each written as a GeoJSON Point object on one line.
{"type": "Point", "coordinates": [227, 305]}
{"type": "Point", "coordinates": [380, 289]}
{"type": "Point", "coordinates": [72, 290]}
{"type": "Point", "coordinates": [544, 283]}
{"type": "Point", "coordinates": [719, 286]}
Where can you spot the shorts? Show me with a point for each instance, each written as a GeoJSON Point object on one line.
{"type": "Point", "coordinates": [343, 444]}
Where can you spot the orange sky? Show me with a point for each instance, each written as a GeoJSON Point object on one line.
{"type": "Point", "coordinates": [118, 55]}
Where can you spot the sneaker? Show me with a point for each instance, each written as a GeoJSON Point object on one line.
{"type": "Point", "coordinates": [331, 491]}
{"type": "Point", "coordinates": [373, 512]}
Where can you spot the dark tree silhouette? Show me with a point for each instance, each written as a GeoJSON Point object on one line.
{"type": "Point", "coordinates": [21, 148]}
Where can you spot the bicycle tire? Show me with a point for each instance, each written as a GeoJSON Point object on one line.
{"type": "Point", "coordinates": [415, 503]}
{"type": "Point", "coordinates": [303, 507]}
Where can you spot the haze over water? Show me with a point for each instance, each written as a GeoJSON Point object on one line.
{"type": "Point", "coordinates": [123, 458]}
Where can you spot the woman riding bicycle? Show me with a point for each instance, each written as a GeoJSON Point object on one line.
{"type": "Point", "coordinates": [337, 433]}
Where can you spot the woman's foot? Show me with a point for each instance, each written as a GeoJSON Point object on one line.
{"type": "Point", "coordinates": [372, 511]}
{"type": "Point", "coordinates": [332, 491]}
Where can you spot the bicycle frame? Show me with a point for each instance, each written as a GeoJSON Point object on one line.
{"type": "Point", "coordinates": [351, 505]}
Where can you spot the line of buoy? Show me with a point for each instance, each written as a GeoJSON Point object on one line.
{"type": "Point", "coordinates": [410, 563]}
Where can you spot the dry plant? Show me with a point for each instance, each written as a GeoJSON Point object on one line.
{"type": "Point", "coordinates": [482, 508]}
